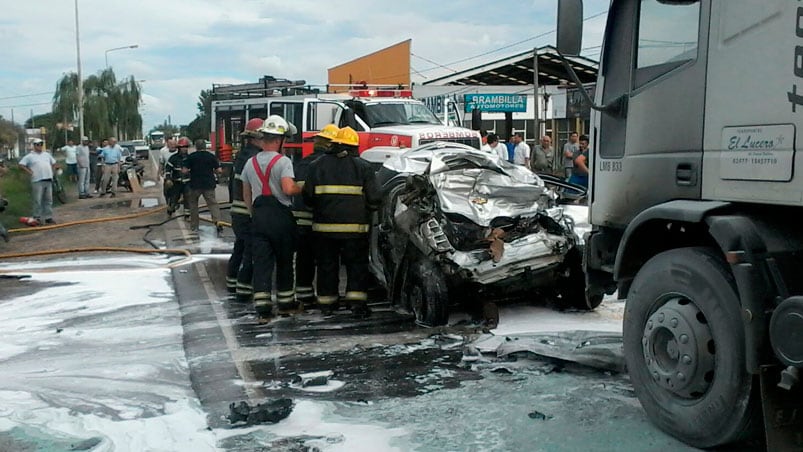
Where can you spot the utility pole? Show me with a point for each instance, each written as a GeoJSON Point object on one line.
{"type": "Point", "coordinates": [80, 77]}
{"type": "Point", "coordinates": [536, 128]}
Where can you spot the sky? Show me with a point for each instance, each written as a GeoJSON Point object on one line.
{"type": "Point", "coordinates": [184, 46]}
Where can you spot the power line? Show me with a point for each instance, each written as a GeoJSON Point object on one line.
{"type": "Point", "coordinates": [541, 35]}
{"type": "Point", "coordinates": [26, 95]}
{"type": "Point", "coordinates": [25, 105]}
{"type": "Point", "coordinates": [433, 62]}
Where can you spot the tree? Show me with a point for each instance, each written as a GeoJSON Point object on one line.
{"type": "Point", "coordinates": [199, 128]}
{"type": "Point", "coordinates": [110, 108]}
{"type": "Point", "coordinates": [10, 133]}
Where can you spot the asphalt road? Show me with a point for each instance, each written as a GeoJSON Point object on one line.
{"type": "Point", "coordinates": [543, 380]}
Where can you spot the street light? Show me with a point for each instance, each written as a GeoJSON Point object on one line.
{"type": "Point", "coordinates": [133, 46]}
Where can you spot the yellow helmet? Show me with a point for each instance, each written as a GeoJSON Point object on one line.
{"type": "Point", "coordinates": [329, 132]}
{"type": "Point", "coordinates": [347, 136]}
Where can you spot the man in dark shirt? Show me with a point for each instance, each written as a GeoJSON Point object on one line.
{"type": "Point", "coordinates": [202, 167]}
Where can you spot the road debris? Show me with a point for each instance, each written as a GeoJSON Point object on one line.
{"type": "Point", "coordinates": [242, 414]}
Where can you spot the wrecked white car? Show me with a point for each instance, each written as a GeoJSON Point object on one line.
{"type": "Point", "coordinates": [461, 225]}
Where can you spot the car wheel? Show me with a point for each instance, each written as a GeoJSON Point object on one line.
{"type": "Point", "coordinates": [426, 293]}
{"type": "Point", "coordinates": [572, 287]}
{"type": "Point", "coordinates": [685, 351]}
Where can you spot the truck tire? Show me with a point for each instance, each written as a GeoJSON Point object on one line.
{"type": "Point", "coordinates": [426, 293]}
{"type": "Point", "coordinates": [684, 349]}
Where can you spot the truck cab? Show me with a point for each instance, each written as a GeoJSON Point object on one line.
{"type": "Point", "coordinates": [694, 183]}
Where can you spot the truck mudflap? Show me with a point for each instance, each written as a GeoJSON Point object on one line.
{"type": "Point", "coordinates": [783, 412]}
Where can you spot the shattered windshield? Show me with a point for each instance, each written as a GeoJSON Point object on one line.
{"type": "Point", "coordinates": [398, 113]}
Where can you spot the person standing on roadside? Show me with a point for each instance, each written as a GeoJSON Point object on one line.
{"type": "Point", "coordinates": [305, 252]}
{"type": "Point", "coordinates": [569, 153]}
{"type": "Point", "coordinates": [581, 164]}
{"type": "Point", "coordinates": [70, 160]}
{"type": "Point", "coordinates": [542, 155]}
{"type": "Point", "coordinates": [112, 158]}
{"type": "Point", "coordinates": [3, 203]}
{"type": "Point", "coordinates": [240, 269]}
{"type": "Point", "coordinates": [495, 147]}
{"type": "Point", "coordinates": [99, 163]}
{"type": "Point", "coordinates": [268, 187]}
{"type": "Point", "coordinates": [84, 166]}
{"type": "Point", "coordinates": [521, 150]}
{"type": "Point", "coordinates": [202, 167]}
{"type": "Point", "coordinates": [40, 166]}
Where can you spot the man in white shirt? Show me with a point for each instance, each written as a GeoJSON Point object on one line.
{"type": "Point", "coordinates": [40, 166]}
{"type": "Point", "coordinates": [70, 159]}
{"type": "Point", "coordinates": [495, 147]}
{"type": "Point", "coordinates": [521, 151]}
{"type": "Point", "coordinates": [165, 153]}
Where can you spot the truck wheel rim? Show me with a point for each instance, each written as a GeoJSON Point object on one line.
{"type": "Point", "coordinates": [679, 349]}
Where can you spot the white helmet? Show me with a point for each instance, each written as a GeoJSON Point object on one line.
{"type": "Point", "coordinates": [276, 125]}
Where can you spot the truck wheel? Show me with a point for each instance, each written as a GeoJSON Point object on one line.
{"type": "Point", "coordinates": [684, 348]}
{"type": "Point", "coordinates": [426, 293]}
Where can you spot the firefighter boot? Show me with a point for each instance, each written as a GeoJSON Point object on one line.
{"type": "Point", "coordinates": [360, 310]}
{"type": "Point", "coordinates": [327, 304]}
{"type": "Point", "coordinates": [263, 306]}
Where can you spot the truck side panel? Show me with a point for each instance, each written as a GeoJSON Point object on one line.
{"type": "Point", "coordinates": [750, 122]}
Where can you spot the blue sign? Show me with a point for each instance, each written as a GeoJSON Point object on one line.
{"type": "Point", "coordinates": [496, 103]}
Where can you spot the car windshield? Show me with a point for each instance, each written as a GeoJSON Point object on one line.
{"type": "Point", "coordinates": [396, 113]}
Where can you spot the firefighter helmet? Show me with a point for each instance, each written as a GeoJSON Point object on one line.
{"type": "Point", "coordinates": [183, 142]}
{"type": "Point", "coordinates": [252, 128]}
{"type": "Point", "coordinates": [347, 136]}
{"type": "Point", "coordinates": [276, 125]}
{"type": "Point", "coordinates": [329, 132]}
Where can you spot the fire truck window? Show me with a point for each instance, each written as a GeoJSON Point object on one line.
{"type": "Point", "coordinates": [667, 38]}
{"type": "Point", "coordinates": [292, 112]}
{"type": "Point", "coordinates": [320, 114]}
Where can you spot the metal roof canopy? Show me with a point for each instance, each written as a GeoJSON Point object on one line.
{"type": "Point", "coordinates": [518, 70]}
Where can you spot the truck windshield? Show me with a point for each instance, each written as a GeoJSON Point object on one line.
{"type": "Point", "coordinates": [398, 113]}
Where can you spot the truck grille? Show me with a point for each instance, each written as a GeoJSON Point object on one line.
{"type": "Point", "coordinates": [469, 141]}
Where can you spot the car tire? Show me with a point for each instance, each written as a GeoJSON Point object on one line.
{"type": "Point", "coordinates": [572, 287]}
{"type": "Point", "coordinates": [426, 293]}
{"type": "Point", "coordinates": [685, 350]}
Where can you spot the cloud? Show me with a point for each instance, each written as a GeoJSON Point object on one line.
{"type": "Point", "coordinates": [187, 45]}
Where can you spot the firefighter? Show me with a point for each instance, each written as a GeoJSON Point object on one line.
{"type": "Point", "coordinates": [175, 181]}
{"type": "Point", "coordinates": [340, 190]}
{"type": "Point", "coordinates": [240, 268]}
{"type": "Point", "coordinates": [305, 251]}
{"type": "Point", "coordinates": [268, 187]}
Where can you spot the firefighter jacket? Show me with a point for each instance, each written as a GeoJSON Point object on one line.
{"type": "Point", "coordinates": [173, 168]}
{"type": "Point", "coordinates": [237, 201]}
{"type": "Point", "coordinates": [340, 189]}
{"type": "Point", "coordinates": [301, 212]}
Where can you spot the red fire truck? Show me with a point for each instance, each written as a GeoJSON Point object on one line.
{"type": "Point", "coordinates": [382, 117]}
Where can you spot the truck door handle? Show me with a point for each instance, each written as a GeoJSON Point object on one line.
{"type": "Point", "coordinates": [685, 174]}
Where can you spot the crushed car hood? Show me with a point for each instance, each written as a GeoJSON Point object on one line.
{"type": "Point", "coordinates": [473, 184]}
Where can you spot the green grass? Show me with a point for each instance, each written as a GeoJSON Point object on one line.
{"type": "Point", "coordinates": [15, 186]}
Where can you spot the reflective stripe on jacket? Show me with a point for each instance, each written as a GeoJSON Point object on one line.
{"type": "Point", "coordinates": [340, 189]}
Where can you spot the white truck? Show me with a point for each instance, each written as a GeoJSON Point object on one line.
{"type": "Point", "coordinates": [384, 118]}
{"type": "Point", "coordinates": [695, 192]}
